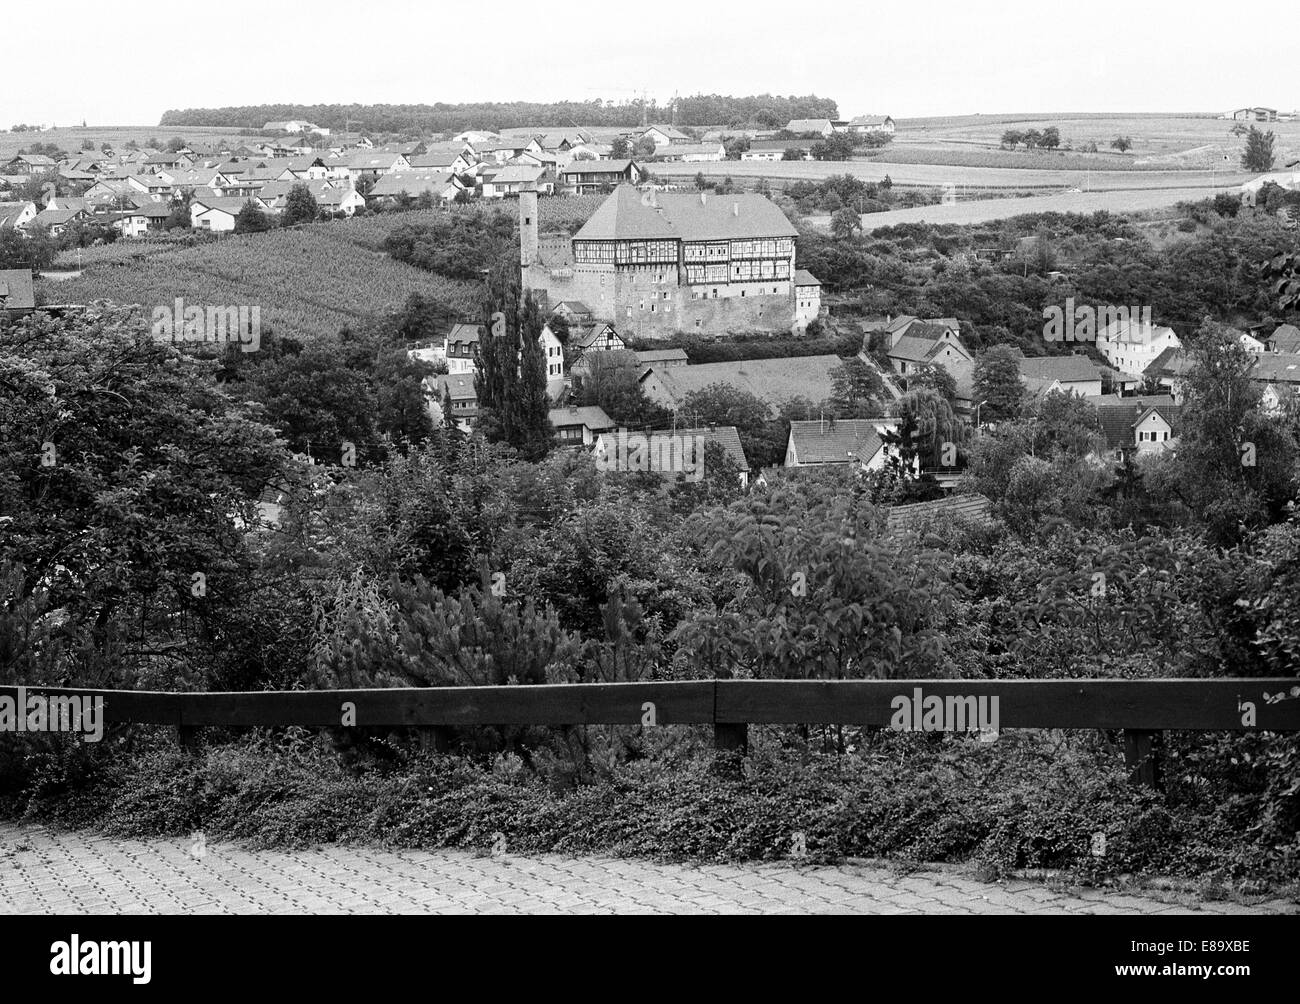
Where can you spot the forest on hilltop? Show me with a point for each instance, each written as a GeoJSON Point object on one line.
{"type": "Point", "coordinates": [767, 110]}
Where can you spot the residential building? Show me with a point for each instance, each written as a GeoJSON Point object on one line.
{"type": "Point", "coordinates": [919, 516]}
{"type": "Point", "coordinates": [1285, 338]}
{"type": "Point", "coordinates": [591, 177]}
{"type": "Point", "coordinates": [55, 221]}
{"type": "Point", "coordinates": [575, 425]}
{"type": "Point", "coordinates": [871, 123]}
{"type": "Point", "coordinates": [16, 215]}
{"type": "Point", "coordinates": [1131, 345]}
{"type": "Point", "coordinates": [857, 442]}
{"type": "Point", "coordinates": [1137, 425]}
{"type": "Point", "coordinates": [662, 358]}
{"type": "Point", "coordinates": [553, 350]}
{"type": "Point", "coordinates": [663, 136]}
{"type": "Point", "coordinates": [1073, 374]}
{"type": "Point", "coordinates": [459, 347]}
{"type": "Point", "coordinates": [772, 381]}
{"type": "Point", "coordinates": [693, 153]}
{"type": "Point", "coordinates": [373, 163]}
{"type": "Point", "coordinates": [661, 443]}
{"type": "Point", "coordinates": [800, 127]}
{"type": "Point", "coordinates": [27, 165]}
{"type": "Point", "coordinates": [439, 185]}
{"type": "Point", "coordinates": [774, 149]}
{"type": "Point", "coordinates": [217, 215]}
{"type": "Point", "coordinates": [1279, 369]}
{"type": "Point", "coordinates": [511, 180]}
{"type": "Point", "coordinates": [599, 337]}
{"type": "Point", "coordinates": [459, 387]}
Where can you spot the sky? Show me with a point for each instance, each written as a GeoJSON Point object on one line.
{"type": "Point", "coordinates": [914, 59]}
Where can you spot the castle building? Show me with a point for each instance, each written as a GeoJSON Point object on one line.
{"type": "Point", "coordinates": [657, 263]}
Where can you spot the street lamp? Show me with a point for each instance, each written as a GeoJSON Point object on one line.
{"type": "Point", "coordinates": [977, 414]}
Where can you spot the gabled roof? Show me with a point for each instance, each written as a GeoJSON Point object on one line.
{"type": "Point", "coordinates": [16, 292]}
{"type": "Point", "coordinates": [585, 339]}
{"type": "Point", "coordinates": [648, 357]}
{"type": "Point", "coordinates": [519, 174]}
{"type": "Point", "coordinates": [912, 349]}
{"type": "Point", "coordinates": [802, 277]}
{"type": "Point", "coordinates": [57, 217]}
{"type": "Point", "coordinates": [691, 149]}
{"type": "Point", "coordinates": [11, 211]}
{"type": "Point", "coordinates": [869, 120]}
{"type": "Point", "coordinates": [838, 441]}
{"type": "Point", "coordinates": [1276, 367]}
{"type": "Point", "coordinates": [670, 131]}
{"type": "Point", "coordinates": [461, 386]}
{"type": "Point", "coordinates": [1067, 369]}
{"type": "Point", "coordinates": [465, 333]}
{"type": "Point", "coordinates": [413, 183]}
{"type": "Point", "coordinates": [223, 205]}
{"type": "Point", "coordinates": [973, 508]}
{"type": "Point", "coordinates": [808, 125]}
{"type": "Point", "coordinates": [592, 416]}
{"type": "Point", "coordinates": [687, 217]}
{"type": "Point", "coordinates": [372, 160]}
{"type": "Point", "coordinates": [35, 160]}
{"type": "Point", "coordinates": [1171, 362]}
{"type": "Point", "coordinates": [611, 167]}
{"type": "Point", "coordinates": [1118, 421]}
{"type": "Point", "coordinates": [1286, 338]}
{"type": "Point", "coordinates": [772, 381]}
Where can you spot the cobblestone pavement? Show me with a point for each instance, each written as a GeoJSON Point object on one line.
{"type": "Point", "coordinates": [57, 872]}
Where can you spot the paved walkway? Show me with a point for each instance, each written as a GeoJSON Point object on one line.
{"type": "Point", "coordinates": [55, 872]}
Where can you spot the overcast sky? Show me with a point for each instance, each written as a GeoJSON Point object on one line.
{"type": "Point", "coordinates": [916, 58]}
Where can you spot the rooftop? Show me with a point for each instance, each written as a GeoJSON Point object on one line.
{"type": "Point", "coordinates": [623, 216]}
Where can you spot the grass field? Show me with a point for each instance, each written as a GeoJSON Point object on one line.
{"type": "Point", "coordinates": [70, 139]}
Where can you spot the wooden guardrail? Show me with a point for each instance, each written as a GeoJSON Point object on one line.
{"type": "Point", "coordinates": [1141, 708]}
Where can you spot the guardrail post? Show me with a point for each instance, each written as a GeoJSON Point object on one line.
{"type": "Point", "coordinates": [435, 737]}
{"type": "Point", "coordinates": [731, 737]}
{"type": "Point", "coordinates": [1142, 754]}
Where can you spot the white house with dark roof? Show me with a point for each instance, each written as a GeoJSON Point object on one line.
{"type": "Point", "coordinates": [1132, 345]}
{"type": "Point", "coordinates": [1072, 374]}
{"type": "Point", "coordinates": [800, 127]}
{"type": "Point", "coordinates": [871, 123]}
{"type": "Point", "coordinates": [663, 136]}
{"type": "Point", "coordinates": [576, 425]}
{"type": "Point", "coordinates": [856, 442]}
{"type": "Point", "coordinates": [807, 299]}
{"type": "Point", "coordinates": [16, 215]}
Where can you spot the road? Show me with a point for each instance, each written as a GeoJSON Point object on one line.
{"type": "Point", "coordinates": [78, 873]}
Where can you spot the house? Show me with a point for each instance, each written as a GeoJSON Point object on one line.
{"type": "Point", "coordinates": [693, 153]}
{"type": "Point", "coordinates": [473, 136]}
{"type": "Point", "coordinates": [451, 158]}
{"type": "Point", "coordinates": [511, 180]}
{"type": "Point", "coordinates": [661, 443]}
{"type": "Point", "coordinates": [26, 165]}
{"type": "Point", "coordinates": [215, 214]}
{"type": "Point", "coordinates": [574, 425]}
{"type": "Point", "coordinates": [109, 192]}
{"type": "Point", "coordinates": [55, 221]}
{"type": "Point", "coordinates": [1279, 369]}
{"type": "Point", "coordinates": [1069, 374]}
{"type": "Point", "coordinates": [774, 149]}
{"type": "Point", "coordinates": [1278, 397]}
{"type": "Point", "coordinates": [553, 349]}
{"type": "Point", "coordinates": [807, 299]}
{"type": "Point", "coordinates": [662, 136]}
{"type": "Point", "coordinates": [563, 140]}
{"type": "Point", "coordinates": [16, 215]}
{"type": "Point", "coordinates": [772, 381]}
{"type": "Point", "coordinates": [916, 516]}
{"type": "Point", "coordinates": [1168, 371]}
{"type": "Point", "coordinates": [863, 124]}
{"type": "Point", "coordinates": [1138, 425]}
{"type": "Point", "coordinates": [501, 150]}
{"type": "Point", "coordinates": [591, 177]}
{"type": "Point", "coordinates": [144, 217]}
{"type": "Point", "coordinates": [196, 178]}
{"type": "Point", "coordinates": [459, 347]}
{"type": "Point", "coordinates": [914, 343]}
{"type": "Point", "coordinates": [600, 337]}
{"type": "Point", "coordinates": [575, 312]}
{"type": "Point", "coordinates": [859, 442]}
{"type": "Point", "coordinates": [167, 161]}
{"type": "Point", "coordinates": [459, 388]}
{"type": "Point", "coordinates": [801, 127]}
{"type": "Point", "coordinates": [17, 296]}
{"type": "Point", "coordinates": [336, 199]}
{"type": "Point", "coordinates": [156, 186]}
{"type": "Point", "coordinates": [440, 185]}
{"type": "Point", "coordinates": [1285, 338]}
{"type": "Point", "coordinates": [657, 263]}
{"type": "Point", "coordinates": [1133, 345]}
{"type": "Point", "coordinates": [1255, 114]}
{"type": "Point", "coordinates": [373, 163]}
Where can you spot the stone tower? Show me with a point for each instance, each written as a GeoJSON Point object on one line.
{"type": "Point", "coordinates": [527, 228]}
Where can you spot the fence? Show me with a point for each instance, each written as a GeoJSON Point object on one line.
{"type": "Point", "coordinates": [1142, 709]}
